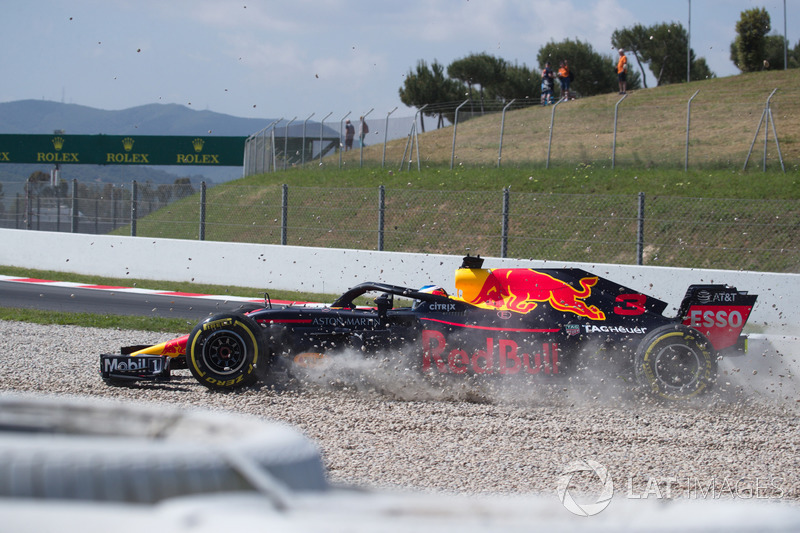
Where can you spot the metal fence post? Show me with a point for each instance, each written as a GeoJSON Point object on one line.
{"type": "Point", "coordinates": [286, 142]}
{"type": "Point", "coordinates": [777, 144]}
{"type": "Point", "coordinates": [502, 127]}
{"type": "Point", "coordinates": [640, 232]}
{"type": "Point", "coordinates": [321, 129]}
{"type": "Point", "coordinates": [341, 144]}
{"type": "Point", "coordinates": [552, 125]}
{"type": "Point", "coordinates": [58, 209]}
{"type": "Point", "coordinates": [74, 228]}
{"type": "Point", "coordinates": [767, 113]}
{"type": "Point", "coordinates": [614, 144]}
{"type": "Point", "coordinates": [303, 157]}
{"type": "Point", "coordinates": [381, 214]}
{"type": "Point", "coordinates": [362, 135]}
{"type": "Point", "coordinates": [202, 211]}
{"type": "Point", "coordinates": [134, 192]}
{"type": "Point", "coordinates": [412, 138]}
{"type": "Point", "coordinates": [455, 127]}
{"type": "Point", "coordinates": [284, 213]}
{"type": "Point", "coordinates": [264, 166]}
{"type": "Point", "coordinates": [28, 204]}
{"type": "Point", "coordinates": [386, 136]}
{"type": "Point", "coordinates": [688, 122]}
{"type": "Point", "coordinates": [409, 141]}
{"type": "Point", "coordinates": [504, 239]}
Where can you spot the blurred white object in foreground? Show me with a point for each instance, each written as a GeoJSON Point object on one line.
{"type": "Point", "coordinates": [72, 463]}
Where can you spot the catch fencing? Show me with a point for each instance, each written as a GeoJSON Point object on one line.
{"type": "Point", "coordinates": [677, 131]}
{"type": "Point", "coordinates": [737, 234]}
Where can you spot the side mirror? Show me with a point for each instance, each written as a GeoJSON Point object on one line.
{"type": "Point", "coordinates": [384, 302]}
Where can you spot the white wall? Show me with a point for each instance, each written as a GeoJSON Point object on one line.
{"type": "Point", "coordinates": [328, 270]}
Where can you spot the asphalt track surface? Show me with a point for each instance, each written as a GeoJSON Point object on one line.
{"type": "Point", "coordinates": [46, 295]}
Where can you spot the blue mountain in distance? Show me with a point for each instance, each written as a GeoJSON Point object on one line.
{"type": "Point", "coordinates": [44, 117]}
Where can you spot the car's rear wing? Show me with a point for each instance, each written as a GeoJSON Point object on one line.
{"type": "Point", "coordinates": [719, 312]}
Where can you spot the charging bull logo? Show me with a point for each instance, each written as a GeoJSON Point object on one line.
{"type": "Point", "coordinates": [172, 348]}
{"type": "Point", "coordinates": [521, 290]}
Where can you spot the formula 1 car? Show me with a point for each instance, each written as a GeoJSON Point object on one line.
{"type": "Point", "coordinates": [546, 323]}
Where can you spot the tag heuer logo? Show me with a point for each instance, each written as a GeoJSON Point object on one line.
{"type": "Point", "coordinates": [572, 329]}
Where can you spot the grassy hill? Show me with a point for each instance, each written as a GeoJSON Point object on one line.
{"type": "Point", "coordinates": [579, 209]}
{"type": "Point", "coordinates": [651, 128]}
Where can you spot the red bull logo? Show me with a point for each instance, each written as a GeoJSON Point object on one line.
{"type": "Point", "coordinates": [172, 348]}
{"type": "Point", "coordinates": [501, 356]}
{"type": "Point", "coordinates": [521, 290]}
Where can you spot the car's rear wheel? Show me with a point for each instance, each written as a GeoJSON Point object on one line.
{"type": "Point", "coordinates": [224, 351]}
{"type": "Point", "coordinates": [675, 362]}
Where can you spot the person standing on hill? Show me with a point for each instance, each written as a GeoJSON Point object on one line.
{"type": "Point", "coordinates": [349, 133]}
{"type": "Point", "coordinates": [564, 78]}
{"type": "Point", "coordinates": [363, 129]}
{"type": "Point", "coordinates": [547, 84]}
{"type": "Point", "coordinates": [622, 71]}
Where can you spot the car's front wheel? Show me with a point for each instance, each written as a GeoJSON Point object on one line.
{"type": "Point", "coordinates": [675, 362]}
{"type": "Point", "coordinates": [223, 351]}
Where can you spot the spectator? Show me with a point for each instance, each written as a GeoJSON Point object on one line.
{"type": "Point", "coordinates": [622, 71]}
{"type": "Point", "coordinates": [349, 133]}
{"type": "Point", "coordinates": [363, 129]}
{"type": "Point", "coordinates": [564, 78]}
{"type": "Point", "coordinates": [547, 84]}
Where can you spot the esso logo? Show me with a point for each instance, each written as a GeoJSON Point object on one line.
{"type": "Point", "coordinates": [715, 319]}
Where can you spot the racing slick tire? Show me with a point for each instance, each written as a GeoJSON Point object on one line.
{"type": "Point", "coordinates": [675, 362]}
{"type": "Point", "coordinates": [80, 449]}
{"type": "Point", "coordinates": [224, 351]}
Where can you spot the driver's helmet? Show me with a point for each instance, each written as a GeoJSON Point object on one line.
{"type": "Point", "coordinates": [433, 289]}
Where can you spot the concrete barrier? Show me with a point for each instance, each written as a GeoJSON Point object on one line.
{"type": "Point", "coordinates": [331, 270]}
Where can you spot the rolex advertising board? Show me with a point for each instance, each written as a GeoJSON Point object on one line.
{"type": "Point", "coordinates": [122, 150]}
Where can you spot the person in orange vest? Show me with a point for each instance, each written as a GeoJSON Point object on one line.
{"type": "Point", "coordinates": [622, 71]}
{"type": "Point", "coordinates": [564, 78]}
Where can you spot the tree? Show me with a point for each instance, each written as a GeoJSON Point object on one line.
{"type": "Point", "coordinates": [663, 48]}
{"type": "Point", "coordinates": [519, 83]}
{"type": "Point", "coordinates": [37, 183]}
{"type": "Point", "coordinates": [183, 188]}
{"type": "Point", "coordinates": [773, 53]}
{"type": "Point", "coordinates": [593, 72]}
{"type": "Point", "coordinates": [794, 56]}
{"type": "Point", "coordinates": [429, 85]}
{"type": "Point", "coordinates": [667, 53]}
{"type": "Point", "coordinates": [748, 49]}
{"type": "Point", "coordinates": [701, 70]}
{"type": "Point", "coordinates": [486, 71]}
{"type": "Point", "coordinates": [633, 40]}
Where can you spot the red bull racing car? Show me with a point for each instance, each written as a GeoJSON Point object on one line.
{"type": "Point", "coordinates": [547, 323]}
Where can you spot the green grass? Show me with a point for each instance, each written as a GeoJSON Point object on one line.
{"type": "Point", "coordinates": [111, 321]}
{"type": "Point", "coordinates": [579, 213]}
{"type": "Point", "coordinates": [138, 323]}
{"type": "Point", "coordinates": [574, 179]}
{"type": "Point", "coordinates": [162, 285]}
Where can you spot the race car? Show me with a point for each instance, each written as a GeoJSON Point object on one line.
{"type": "Point", "coordinates": [540, 323]}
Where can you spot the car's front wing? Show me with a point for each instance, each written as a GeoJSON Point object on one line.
{"type": "Point", "coordinates": [118, 367]}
